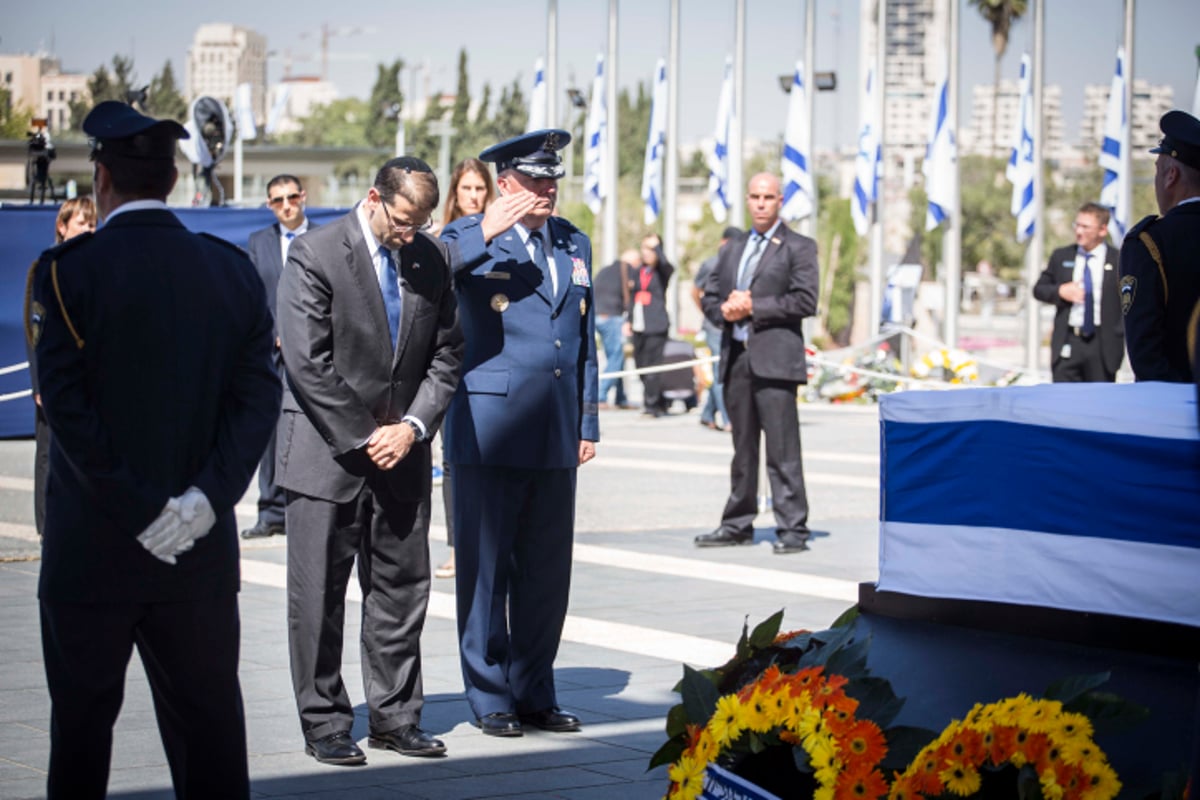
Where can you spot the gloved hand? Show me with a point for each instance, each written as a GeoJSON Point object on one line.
{"type": "Point", "coordinates": [184, 520]}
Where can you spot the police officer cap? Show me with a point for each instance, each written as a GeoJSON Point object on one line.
{"type": "Point", "coordinates": [1181, 138]}
{"type": "Point", "coordinates": [534, 154]}
{"type": "Point", "coordinates": [117, 129]}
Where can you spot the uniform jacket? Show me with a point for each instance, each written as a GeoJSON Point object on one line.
{"type": "Point", "coordinates": [264, 251]}
{"type": "Point", "coordinates": [784, 291]}
{"type": "Point", "coordinates": [343, 377]}
{"type": "Point", "coordinates": [529, 388]}
{"type": "Point", "coordinates": [1060, 270]}
{"type": "Point", "coordinates": [1156, 313]}
{"type": "Point", "coordinates": [155, 374]}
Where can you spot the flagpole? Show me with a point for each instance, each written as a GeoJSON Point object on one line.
{"type": "Point", "coordinates": [1033, 262]}
{"type": "Point", "coordinates": [1126, 149]}
{"type": "Point", "coordinates": [609, 254]}
{"type": "Point", "coordinates": [551, 63]}
{"type": "Point", "coordinates": [737, 181]}
{"type": "Point", "coordinates": [809, 225]}
{"type": "Point", "coordinates": [876, 304]}
{"type": "Point", "coordinates": [952, 243]}
{"type": "Point", "coordinates": [671, 176]}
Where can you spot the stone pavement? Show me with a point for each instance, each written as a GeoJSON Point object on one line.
{"type": "Point", "coordinates": [643, 601]}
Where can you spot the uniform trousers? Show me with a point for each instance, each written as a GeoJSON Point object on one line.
{"type": "Point", "coordinates": [189, 650]}
{"type": "Point", "coordinates": [390, 539]}
{"type": "Point", "coordinates": [763, 406]}
{"type": "Point", "coordinates": [648, 352]}
{"type": "Point", "coordinates": [515, 530]}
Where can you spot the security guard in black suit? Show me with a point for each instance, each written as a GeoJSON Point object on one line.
{"type": "Point", "coordinates": [153, 355]}
{"type": "Point", "coordinates": [1160, 274]}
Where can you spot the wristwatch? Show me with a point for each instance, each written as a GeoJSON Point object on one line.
{"type": "Point", "coordinates": [418, 434]}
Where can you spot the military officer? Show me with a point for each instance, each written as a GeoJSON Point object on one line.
{"type": "Point", "coordinates": [1160, 283]}
{"type": "Point", "coordinates": [523, 419]}
{"type": "Point", "coordinates": [154, 363]}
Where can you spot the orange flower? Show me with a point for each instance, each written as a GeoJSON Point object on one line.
{"type": "Point", "coordinates": [805, 679]}
{"type": "Point", "coordinates": [925, 778]}
{"type": "Point", "coordinates": [786, 637]}
{"type": "Point", "coordinates": [863, 742]}
{"type": "Point", "coordinates": [1032, 749]}
{"type": "Point", "coordinates": [1002, 745]}
{"type": "Point", "coordinates": [967, 745]}
{"type": "Point", "coordinates": [771, 678]}
{"type": "Point", "coordinates": [856, 784]}
{"type": "Point", "coordinates": [902, 788]}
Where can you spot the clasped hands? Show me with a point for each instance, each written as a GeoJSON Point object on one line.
{"type": "Point", "coordinates": [737, 306]}
{"type": "Point", "coordinates": [389, 444]}
{"type": "Point", "coordinates": [182, 521]}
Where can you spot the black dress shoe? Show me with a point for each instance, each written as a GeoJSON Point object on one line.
{"type": "Point", "coordinates": [407, 741]}
{"type": "Point", "coordinates": [790, 544]}
{"type": "Point", "coordinates": [261, 531]}
{"type": "Point", "coordinates": [723, 538]}
{"type": "Point", "coordinates": [500, 723]}
{"type": "Point", "coordinates": [336, 748]}
{"type": "Point", "coordinates": [552, 719]}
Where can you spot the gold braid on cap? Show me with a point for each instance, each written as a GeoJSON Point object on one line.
{"type": "Point", "coordinates": [1193, 323]}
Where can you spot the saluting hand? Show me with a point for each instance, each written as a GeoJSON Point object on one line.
{"type": "Point", "coordinates": [505, 211]}
{"type": "Point", "coordinates": [389, 444]}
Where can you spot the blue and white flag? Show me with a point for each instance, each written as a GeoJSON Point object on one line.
{"type": "Point", "coordinates": [718, 157]}
{"type": "Point", "coordinates": [1114, 194]}
{"type": "Point", "coordinates": [243, 110]}
{"type": "Point", "coordinates": [656, 147]}
{"type": "Point", "coordinates": [868, 162]}
{"type": "Point", "coordinates": [798, 191]}
{"type": "Point", "coordinates": [940, 154]}
{"type": "Point", "coordinates": [537, 99]}
{"type": "Point", "coordinates": [1019, 171]}
{"type": "Point", "coordinates": [595, 151]}
{"type": "Point", "coordinates": [283, 93]}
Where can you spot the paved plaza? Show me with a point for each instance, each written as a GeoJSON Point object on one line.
{"type": "Point", "coordinates": [643, 601]}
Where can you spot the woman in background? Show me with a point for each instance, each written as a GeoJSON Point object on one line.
{"type": "Point", "coordinates": [76, 216]}
{"type": "Point", "coordinates": [471, 191]}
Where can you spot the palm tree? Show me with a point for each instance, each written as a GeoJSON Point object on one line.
{"type": "Point", "coordinates": [1000, 14]}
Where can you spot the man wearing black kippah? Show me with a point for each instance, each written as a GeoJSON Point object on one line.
{"type": "Point", "coordinates": [154, 363]}
{"type": "Point", "coordinates": [368, 330]}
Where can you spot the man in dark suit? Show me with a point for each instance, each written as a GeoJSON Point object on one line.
{"type": "Point", "coordinates": [371, 344]}
{"type": "Point", "coordinates": [648, 320]}
{"type": "Point", "coordinates": [1088, 343]}
{"type": "Point", "coordinates": [154, 362]}
{"type": "Point", "coordinates": [523, 420]}
{"type": "Point", "coordinates": [1160, 283]}
{"type": "Point", "coordinates": [268, 250]}
{"type": "Point", "coordinates": [764, 285]}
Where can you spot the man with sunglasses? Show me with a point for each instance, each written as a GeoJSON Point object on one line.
{"type": "Point", "coordinates": [371, 345]}
{"type": "Point", "coordinates": [268, 250]}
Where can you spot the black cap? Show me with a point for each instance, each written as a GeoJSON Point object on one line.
{"type": "Point", "coordinates": [117, 129]}
{"type": "Point", "coordinates": [1181, 138]}
{"type": "Point", "coordinates": [534, 154]}
{"type": "Point", "coordinates": [408, 164]}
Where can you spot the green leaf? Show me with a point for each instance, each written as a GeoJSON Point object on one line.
{"type": "Point", "coordinates": [847, 617]}
{"type": "Point", "coordinates": [766, 631]}
{"type": "Point", "coordinates": [699, 696]}
{"type": "Point", "coordinates": [677, 721]}
{"type": "Point", "coordinates": [831, 641]}
{"type": "Point", "coordinates": [876, 700]}
{"type": "Point", "coordinates": [743, 645]}
{"type": "Point", "coordinates": [1071, 687]}
{"type": "Point", "coordinates": [755, 742]}
{"type": "Point", "coordinates": [850, 660]}
{"type": "Point", "coordinates": [800, 642]}
{"type": "Point", "coordinates": [904, 742]}
{"type": "Point", "coordinates": [800, 756]}
{"type": "Point", "coordinates": [669, 753]}
{"type": "Point", "coordinates": [1108, 712]}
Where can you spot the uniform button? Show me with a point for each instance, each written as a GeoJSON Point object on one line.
{"type": "Point", "coordinates": [558, 373]}
{"type": "Point", "coordinates": [558, 343]}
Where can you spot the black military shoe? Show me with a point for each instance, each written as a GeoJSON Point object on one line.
{"type": "Point", "coordinates": [262, 531]}
{"type": "Point", "coordinates": [336, 748]}
{"type": "Point", "coordinates": [407, 741]}
{"type": "Point", "coordinates": [723, 538]}
{"type": "Point", "coordinates": [500, 723]}
{"type": "Point", "coordinates": [552, 719]}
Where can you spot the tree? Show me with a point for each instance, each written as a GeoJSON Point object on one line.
{"type": "Point", "coordinates": [104, 85]}
{"type": "Point", "coordinates": [385, 105]}
{"type": "Point", "coordinates": [1000, 14]}
{"type": "Point", "coordinates": [341, 123]}
{"type": "Point", "coordinates": [15, 120]}
{"type": "Point", "coordinates": [988, 227]}
{"type": "Point", "coordinates": [163, 98]}
{"type": "Point", "coordinates": [841, 252]}
{"type": "Point", "coordinates": [512, 112]}
{"type": "Point", "coordinates": [633, 123]}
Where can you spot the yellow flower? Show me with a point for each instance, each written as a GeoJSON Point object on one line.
{"type": "Point", "coordinates": [961, 779]}
{"type": "Point", "coordinates": [728, 721]}
{"type": "Point", "coordinates": [1068, 726]}
{"type": "Point", "coordinates": [821, 749]}
{"type": "Point", "coordinates": [1103, 783]}
{"type": "Point", "coordinates": [1039, 716]}
{"type": "Point", "coordinates": [1050, 788]}
{"type": "Point", "coordinates": [823, 793]}
{"type": "Point", "coordinates": [1007, 712]}
{"type": "Point", "coordinates": [759, 712]}
{"type": "Point", "coordinates": [689, 774]}
{"type": "Point", "coordinates": [706, 747]}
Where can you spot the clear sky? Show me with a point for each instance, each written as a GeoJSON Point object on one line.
{"type": "Point", "coordinates": [504, 37]}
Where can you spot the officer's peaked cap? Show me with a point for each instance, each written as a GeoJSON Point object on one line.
{"type": "Point", "coordinates": [1181, 137]}
{"type": "Point", "coordinates": [534, 154]}
{"type": "Point", "coordinates": [118, 129]}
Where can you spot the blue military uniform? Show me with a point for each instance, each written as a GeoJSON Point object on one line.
{"type": "Point", "coordinates": [527, 398]}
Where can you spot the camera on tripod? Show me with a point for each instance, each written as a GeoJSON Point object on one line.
{"type": "Point", "coordinates": [39, 153]}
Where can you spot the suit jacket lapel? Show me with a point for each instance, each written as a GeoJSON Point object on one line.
{"type": "Point", "coordinates": [563, 266]}
{"type": "Point", "coordinates": [362, 269]}
{"type": "Point", "coordinates": [770, 248]}
{"type": "Point", "coordinates": [409, 300]}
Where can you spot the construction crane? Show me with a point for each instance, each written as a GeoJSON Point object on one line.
{"type": "Point", "coordinates": [327, 32]}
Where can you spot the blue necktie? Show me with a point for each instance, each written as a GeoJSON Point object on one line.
{"type": "Point", "coordinates": [747, 273]}
{"type": "Point", "coordinates": [1089, 312]}
{"type": "Point", "coordinates": [389, 284]}
{"type": "Point", "coordinates": [539, 258]}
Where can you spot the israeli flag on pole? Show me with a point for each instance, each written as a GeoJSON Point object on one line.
{"type": "Point", "coordinates": [595, 187]}
{"type": "Point", "coordinates": [798, 192]}
{"type": "Point", "coordinates": [243, 109]}
{"type": "Point", "coordinates": [868, 160]}
{"type": "Point", "coordinates": [283, 93]}
{"type": "Point", "coordinates": [718, 156]}
{"type": "Point", "coordinates": [537, 100]}
{"type": "Point", "coordinates": [1019, 170]}
{"type": "Point", "coordinates": [1113, 193]}
{"type": "Point", "coordinates": [940, 154]}
{"type": "Point", "coordinates": [656, 147]}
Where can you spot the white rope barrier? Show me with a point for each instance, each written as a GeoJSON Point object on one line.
{"type": "Point", "coordinates": [14, 368]}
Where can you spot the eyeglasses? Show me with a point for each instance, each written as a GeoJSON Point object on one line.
{"type": "Point", "coordinates": [292, 198]}
{"type": "Point", "coordinates": [406, 228]}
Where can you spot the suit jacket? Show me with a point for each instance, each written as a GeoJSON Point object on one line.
{"type": "Point", "coordinates": [264, 251]}
{"type": "Point", "coordinates": [784, 291]}
{"type": "Point", "coordinates": [1060, 270]}
{"type": "Point", "coordinates": [1158, 304]}
{"type": "Point", "coordinates": [529, 388]}
{"type": "Point", "coordinates": [153, 353]}
{"type": "Point", "coordinates": [344, 379]}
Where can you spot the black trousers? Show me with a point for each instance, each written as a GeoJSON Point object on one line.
{"type": "Point", "coordinates": [271, 498]}
{"type": "Point", "coordinates": [757, 405]}
{"type": "Point", "coordinates": [648, 352]}
{"type": "Point", "coordinates": [1084, 365]}
{"type": "Point", "coordinates": [190, 653]}
{"type": "Point", "coordinates": [390, 539]}
{"type": "Point", "coordinates": [41, 468]}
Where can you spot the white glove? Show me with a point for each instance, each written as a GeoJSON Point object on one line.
{"type": "Point", "coordinates": [184, 520]}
